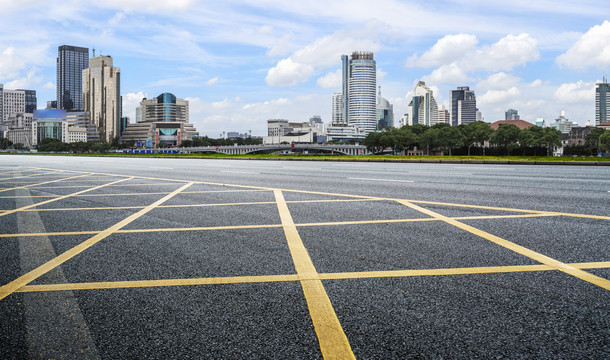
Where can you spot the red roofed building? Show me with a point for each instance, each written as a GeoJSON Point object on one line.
{"type": "Point", "coordinates": [605, 126]}
{"type": "Point", "coordinates": [521, 124]}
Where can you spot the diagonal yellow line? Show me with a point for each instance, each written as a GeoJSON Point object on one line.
{"type": "Point", "coordinates": [46, 182]}
{"type": "Point", "coordinates": [571, 270]}
{"type": "Point", "coordinates": [60, 198]}
{"type": "Point", "coordinates": [14, 285]}
{"type": "Point", "coordinates": [332, 338]}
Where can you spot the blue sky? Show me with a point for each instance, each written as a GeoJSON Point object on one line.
{"type": "Point", "coordinates": [242, 62]}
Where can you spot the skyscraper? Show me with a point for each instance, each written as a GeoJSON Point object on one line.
{"type": "Point", "coordinates": [423, 107]}
{"type": "Point", "coordinates": [71, 61]}
{"type": "Point", "coordinates": [385, 112]}
{"type": "Point", "coordinates": [102, 96]}
{"type": "Point", "coordinates": [602, 102]}
{"type": "Point", "coordinates": [511, 114]}
{"type": "Point", "coordinates": [359, 82]}
{"type": "Point", "coordinates": [463, 106]}
{"type": "Point", "coordinates": [337, 116]}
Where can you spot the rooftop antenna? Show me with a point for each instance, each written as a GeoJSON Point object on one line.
{"type": "Point", "coordinates": [93, 52]}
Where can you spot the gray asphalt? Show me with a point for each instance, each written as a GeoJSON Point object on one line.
{"type": "Point", "coordinates": [517, 315]}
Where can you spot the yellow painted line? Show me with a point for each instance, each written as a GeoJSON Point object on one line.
{"type": "Point", "coordinates": [294, 277]}
{"type": "Point", "coordinates": [46, 182]}
{"type": "Point", "coordinates": [23, 280]}
{"type": "Point", "coordinates": [64, 233]}
{"type": "Point", "coordinates": [160, 283]}
{"type": "Point", "coordinates": [331, 337]}
{"type": "Point", "coordinates": [80, 186]}
{"type": "Point", "coordinates": [59, 198]}
{"type": "Point", "coordinates": [158, 207]}
{"type": "Point", "coordinates": [570, 270]}
{"type": "Point", "coordinates": [21, 177]}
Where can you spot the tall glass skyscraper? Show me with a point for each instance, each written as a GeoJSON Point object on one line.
{"type": "Point", "coordinates": [602, 102]}
{"type": "Point", "coordinates": [359, 83]}
{"type": "Point", "coordinates": [71, 61]}
{"type": "Point", "coordinates": [463, 106]}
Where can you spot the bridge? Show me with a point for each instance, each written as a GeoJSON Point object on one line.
{"type": "Point", "coordinates": [311, 149]}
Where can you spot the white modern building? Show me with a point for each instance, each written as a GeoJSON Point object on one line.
{"type": "Point", "coordinates": [51, 123]}
{"type": "Point", "coordinates": [423, 108]}
{"type": "Point", "coordinates": [102, 96]}
{"type": "Point", "coordinates": [563, 124]}
{"type": "Point", "coordinates": [337, 109]}
{"type": "Point", "coordinates": [359, 82]}
{"type": "Point", "coordinates": [444, 117]}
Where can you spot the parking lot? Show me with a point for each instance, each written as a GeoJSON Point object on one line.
{"type": "Point", "coordinates": [97, 264]}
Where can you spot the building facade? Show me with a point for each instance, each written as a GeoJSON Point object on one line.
{"type": "Point", "coordinates": [423, 108]}
{"type": "Point", "coordinates": [385, 112]}
{"type": "Point", "coordinates": [13, 103]}
{"type": "Point", "coordinates": [562, 123]}
{"type": "Point", "coordinates": [161, 120]}
{"type": "Point", "coordinates": [101, 85]}
{"type": "Point", "coordinates": [463, 106]}
{"type": "Point", "coordinates": [602, 102]}
{"type": "Point", "coordinates": [444, 117]}
{"type": "Point", "coordinates": [337, 109]}
{"type": "Point", "coordinates": [359, 82]}
{"type": "Point", "coordinates": [71, 61]}
{"type": "Point", "coordinates": [511, 114]}
{"type": "Point", "coordinates": [51, 123]}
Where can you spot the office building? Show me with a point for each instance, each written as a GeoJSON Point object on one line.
{"type": "Point", "coordinates": [385, 112]}
{"type": "Point", "coordinates": [423, 108]}
{"type": "Point", "coordinates": [337, 109]}
{"type": "Point", "coordinates": [602, 102]}
{"type": "Point", "coordinates": [161, 120]}
{"type": "Point", "coordinates": [13, 102]}
{"type": "Point", "coordinates": [71, 61]}
{"type": "Point", "coordinates": [102, 96]}
{"type": "Point", "coordinates": [511, 114]}
{"type": "Point", "coordinates": [562, 123]}
{"type": "Point", "coordinates": [51, 123]}
{"type": "Point", "coordinates": [463, 106]}
{"type": "Point", "coordinates": [359, 81]}
{"type": "Point", "coordinates": [31, 103]}
{"type": "Point", "coordinates": [444, 117]}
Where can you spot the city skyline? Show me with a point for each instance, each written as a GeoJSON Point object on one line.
{"type": "Point", "coordinates": [240, 63]}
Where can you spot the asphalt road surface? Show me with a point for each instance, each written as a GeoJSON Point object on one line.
{"type": "Point", "coordinates": [137, 258]}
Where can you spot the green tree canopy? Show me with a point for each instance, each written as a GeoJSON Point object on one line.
{"type": "Point", "coordinates": [507, 136]}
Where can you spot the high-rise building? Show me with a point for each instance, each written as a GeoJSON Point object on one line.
{"type": "Point", "coordinates": [562, 123]}
{"type": "Point", "coordinates": [359, 82]}
{"type": "Point", "coordinates": [13, 103]}
{"type": "Point", "coordinates": [31, 103]}
{"type": "Point", "coordinates": [164, 119]}
{"type": "Point", "coordinates": [337, 116]}
{"type": "Point", "coordinates": [463, 106]}
{"type": "Point", "coordinates": [444, 117]}
{"type": "Point", "coordinates": [71, 61]}
{"type": "Point", "coordinates": [423, 108]}
{"type": "Point", "coordinates": [511, 114]}
{"type": "Point", "coordinates": [102, 96]}
{"type": "Point", "coordinates": [385, 112]}
{"type": "Point", "coordinates": [602, 102]}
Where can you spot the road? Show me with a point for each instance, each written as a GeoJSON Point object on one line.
{"type": "Point", "coordinates": [191, 258]}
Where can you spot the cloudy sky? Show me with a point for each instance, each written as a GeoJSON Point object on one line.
{"type": "Point", "coordinates": [241, 62]}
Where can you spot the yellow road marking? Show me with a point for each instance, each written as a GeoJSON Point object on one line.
{"type": "Point", "coordinates": [59, 198]}
{"type": "Point", "coordinates": [160, 283]}
{"type": "Point", "coordinates": [14, 285]}
{"type": "Point", "coordinates": [46, 182]}
{"type": "Point", "coordinates": [332, 338]}
{"type": "Point", "coordinates": [580, 274]}
{"type": "Point", "coordinates": [294, 277]}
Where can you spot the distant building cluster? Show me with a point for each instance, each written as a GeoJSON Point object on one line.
{"type": "Point", "coordinates": [89, 107]}
{"type": "Point", "coordinates": [356, 111]}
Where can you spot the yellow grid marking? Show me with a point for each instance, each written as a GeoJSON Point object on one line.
{"type": "Point", "coordinates": [46, 182]}
{"type": "Point", "coordinates": [331, 337]}
{"type": "Point", "coordinates": [293, 277]}
{"type": "Point", "coordinates": [265, 226]}
{"type": "Point", "coordinates": [59, 198]}
{"type": "Point", "coordinates": [14, 285]}
{"type": "Point", "coordinates": [583, 275]}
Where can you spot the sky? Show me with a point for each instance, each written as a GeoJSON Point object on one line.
{"type": "Point", "coordinates": [242, 62]}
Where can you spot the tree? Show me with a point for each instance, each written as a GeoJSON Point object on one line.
{"type": "Point", "coordinates": [531, 137]}
{"type": "Point", "coordinates": [604, 140]}
{"type": "Point", "coordinates": [507, 136]}
{"type": "Point", "coordinates": [429, 140]}
{"type": "Point", "coordinates": [592, 140]}
{"type": "Point", "coordinates": [477, 132]}
{"type": "Point", "coordinates": [372, 141]}
{"type": "Point", "coordinates": [5, 143]}
{"type": "Point", "coordinates": [551, 138]}
{"type": "Point", "coordinates": [448, 137]}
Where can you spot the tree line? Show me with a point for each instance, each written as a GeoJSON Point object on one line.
{"type": "Point", "coordinates": [476, 138]}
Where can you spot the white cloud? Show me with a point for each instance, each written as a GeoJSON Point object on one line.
{"type": "Point", "coordinates": [446, 74]}
{"type": "Point", "coordinates": [331, 80]}
{"type": "Point", "coordinates": [265, 30]}
{"type": "Point", "coordinates": [446, 50]}
{"type": "Point", "coordinates": [212, 81]}
{"type": "Point", "coordinates": [579, 92]}
{"type": "Point", "coordinates": [10, 64]}
{"type": "Point", "coordinates": [499, 81]}
{"type": "Point", "coordinates": [130, 102]}
{"type": "Point", "coordinates": [499, 96]}
{"type": "Point", "coordinates": [591, 50]}
{"type": "Point", "coordinates": [288, 72]}
{"type": "Point", "coordinates": [536, 83]}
